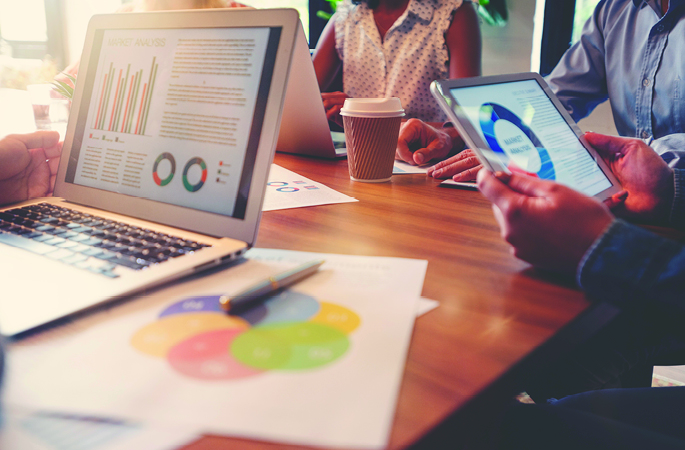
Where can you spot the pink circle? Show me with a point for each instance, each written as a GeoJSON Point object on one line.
{"type": "Point", "coordinates": [206, 356]}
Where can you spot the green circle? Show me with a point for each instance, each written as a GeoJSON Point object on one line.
{"type": "Point", "coordinates": [290, 346]}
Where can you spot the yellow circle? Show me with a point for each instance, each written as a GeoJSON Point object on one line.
{"type": "Point", "coordinates": [159, 337]}
{"type": "Point", "coordinates": [337, 317]}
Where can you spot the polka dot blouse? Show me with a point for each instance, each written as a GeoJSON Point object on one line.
{"type": "Point", "coordinates": [411, 56]}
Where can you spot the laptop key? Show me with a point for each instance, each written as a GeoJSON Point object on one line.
{"type": "Point", "coordinates": [60, 254]}
{"type": "Point", "coordinates": [26, 244]}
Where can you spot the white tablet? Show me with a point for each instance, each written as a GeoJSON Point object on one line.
{"type": "Point", "coordinates": [515, 123]}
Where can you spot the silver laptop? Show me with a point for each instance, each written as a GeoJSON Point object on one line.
{"type": "Point", "coordinates": [304, 127]}
{"type": "Point", "coordinates": [168, 148]}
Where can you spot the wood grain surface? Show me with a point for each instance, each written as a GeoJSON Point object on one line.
{"type": "Point", "coordinates": [494, 310]}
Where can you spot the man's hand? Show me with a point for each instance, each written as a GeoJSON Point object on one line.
{"type": "Point", "coordinates": [463, 166]}
{"type": "Point", "coordinates": [28, 165]}
{"type": "Point", "coordinates": [333, 103]}
{"type": "Point", "coordinates": [420, 142]}
{"type": "Point", "coordinates": [646, 178]}
{"type": "Point", "coordinates": [547, 224]}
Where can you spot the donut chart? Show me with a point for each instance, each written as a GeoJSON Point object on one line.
{"type": "Point", "coordinates": [290, 332]}
{"type": "Point", "coordinates": [490, 114]}
{"type": "Point", "coordinates": [203, 166]}
{"type": "Point", "coordinates": [155, 176]}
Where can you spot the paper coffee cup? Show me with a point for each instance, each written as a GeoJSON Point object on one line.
{"type": "Point", "coordinates": [372, 126]}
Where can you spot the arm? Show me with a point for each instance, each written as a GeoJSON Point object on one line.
{"type": "Point", "coordinates": [671, 148]}
{"type": "Point", "coordinates": [579, 79]}
{"type": "Point", "coordinates": [554, 227]}
{"type": "Point", "coordinates": [464, 43]}
{"type": "Point", "coordinates": [327, 64]}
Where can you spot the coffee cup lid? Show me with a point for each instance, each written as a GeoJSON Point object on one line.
{"type": "Point", "coordinates": [372, 107]}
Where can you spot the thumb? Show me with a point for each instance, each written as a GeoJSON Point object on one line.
{"type": "Point", "coordinates": [499, 193]}
{"type": "Point", "coordinates": [529, 186]}
{"type": "Point", "coordinates": [607, 146]}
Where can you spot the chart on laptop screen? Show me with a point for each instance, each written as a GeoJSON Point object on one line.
{"type": "Point", "coordinates": [170, 114]}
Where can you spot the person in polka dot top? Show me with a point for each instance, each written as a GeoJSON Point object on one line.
{"type": "Point", "coordinates": [396, 48]}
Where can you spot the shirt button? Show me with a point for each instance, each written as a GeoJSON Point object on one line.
{"type": "Point", "coordinates": [646, 82]}
{"type": "Point", "coordinates": [660, 28]}
{"type": "Point", "coordinates": [645, 135]}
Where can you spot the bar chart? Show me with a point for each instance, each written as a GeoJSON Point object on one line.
{"type": "Point", "coordinates": [123, 103]}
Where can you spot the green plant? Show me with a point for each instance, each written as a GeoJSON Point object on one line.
{"type": "Point", "coordinates": [17, 74]}
{"type": "Point", "coordinates": [493, 12]}
{"type": "Point", "coordinates": [63, 88]}
{"type": "Point", "coordinates": [326, 15]}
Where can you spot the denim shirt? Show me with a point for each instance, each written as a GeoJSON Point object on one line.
{"type": "Point", "coordinates": [629, 266]}
{"type": "Point", "coordinates": [633, 54]}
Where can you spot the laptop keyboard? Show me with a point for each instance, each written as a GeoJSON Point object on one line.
{"type": "Point", "coordinates": [88, 242]}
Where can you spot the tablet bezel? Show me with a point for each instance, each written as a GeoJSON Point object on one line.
{"type": "Point", "coordinates": [441, 89]}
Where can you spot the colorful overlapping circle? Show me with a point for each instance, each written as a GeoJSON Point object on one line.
{"type": "Point", "coordinates": [289, 332]}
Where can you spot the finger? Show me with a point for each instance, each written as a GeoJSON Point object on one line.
{"type": "Point", "coordinates": [531, 186]}
{"type": "Point", "coordinates": [331, 102]}
{"type": "Point", "coordinates": [497, 192]}
{"type": "Point", "coordinates": [409, 134]}
{"type": "Point", "coordinates": [54, 152]}
{"type": "Point", "coordinates": [444, 163]}
{"type": "Point", "coordinates": [607, 146]}
{"type": "Point", "coordinates": [333, 113]}
{"type": "Point", "coordinates": [333, 94]}
{"type": "Point", "coordinates": [53, 164]}
{"type": "Point", "coordinates": [457, 164]}
{"type": "Point", "coordinates": [617, 199]}
{"type": "Point", "coordinates": [436, 149]}
{"type": "Point", "coordinates": [468, 174]}
{"type": "Point", "coordinates": [37, 139]}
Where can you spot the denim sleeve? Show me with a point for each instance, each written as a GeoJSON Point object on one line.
{"type": "Point", "coordinates": [631, 267]}
{"type": "Point", "coordinates": [671, 148]}
{"type": "Point", "coordinates": [579, 79]}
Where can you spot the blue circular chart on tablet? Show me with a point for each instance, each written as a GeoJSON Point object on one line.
{"type": "Point", "coordinates": [515, 143]}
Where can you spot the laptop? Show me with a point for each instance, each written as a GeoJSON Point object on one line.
{"type": "Point", "coordinates": [515, 123]}
{"type": "Point", "coordinates": [170, 139]}
{"type": "Point", "coordinates": [304, 126]}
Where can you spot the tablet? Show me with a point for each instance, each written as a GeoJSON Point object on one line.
{"type": "Point", "coordinates": [515, 123]}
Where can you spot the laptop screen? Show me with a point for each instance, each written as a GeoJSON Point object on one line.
{"type": "Point", "coordinates": [175, 115]}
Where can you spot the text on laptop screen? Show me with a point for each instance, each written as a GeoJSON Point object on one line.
{"type": "Point", "coordinates": [526, 132]}
{"type": "Point", "coordinates": [175, 115]}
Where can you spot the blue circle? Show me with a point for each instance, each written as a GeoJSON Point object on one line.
{"type": "Point", "coordinates": [491, 113]}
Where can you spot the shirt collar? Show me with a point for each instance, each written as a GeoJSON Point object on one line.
{"type": "Point", "coordinates": [423, 10]}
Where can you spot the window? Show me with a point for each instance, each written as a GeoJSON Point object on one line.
{"type": "Point", "coordinates": [302, 6]}
{"type": "Point", "coordinates": [23, 28]}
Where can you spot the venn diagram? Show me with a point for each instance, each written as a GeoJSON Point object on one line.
{"type": "Point", "coordinates": [291, 331]}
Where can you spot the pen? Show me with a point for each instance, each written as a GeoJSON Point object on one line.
{"type": "Point", "coordinates": [252, 295]}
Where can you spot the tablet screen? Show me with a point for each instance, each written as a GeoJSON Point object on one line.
{"type": "Point", "coordinates": [526, 133]}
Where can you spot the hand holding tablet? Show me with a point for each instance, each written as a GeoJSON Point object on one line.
{"type": "Point", "coordinates": [514, 123]}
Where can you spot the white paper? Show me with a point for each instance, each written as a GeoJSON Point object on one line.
{"type": "Point", "coordinates": [426, 305]}
{"type": "Point", "coordinates": [92, 367]}
{"type": "Point", "coordinates": [401, 167]}
{"type": "Point", "coordinates": [462, 184]}
{"type": "Point", "coordinates": [36, 430]}
{"type": "Point", "coordinates": [286, 189]}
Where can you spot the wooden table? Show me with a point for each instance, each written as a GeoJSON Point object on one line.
{"type": "Point", "coordinates": [495, 312]}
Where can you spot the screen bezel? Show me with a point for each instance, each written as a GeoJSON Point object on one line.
{"type": "Point", "coordinates": [441, 89]}
{"type": "Point", "coordinates": [172, 215]}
